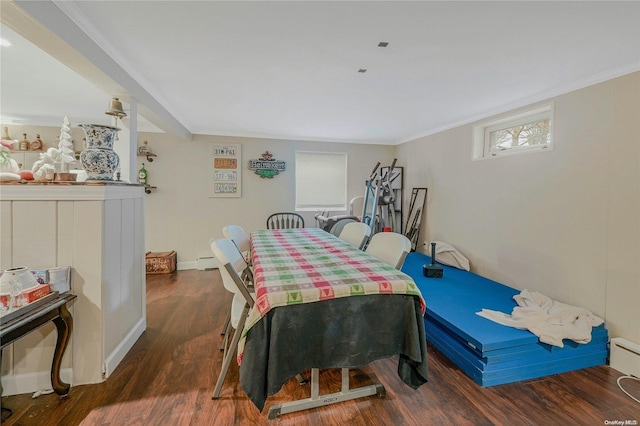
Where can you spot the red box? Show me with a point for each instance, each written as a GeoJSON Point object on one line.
{"type": "Point", "coordinates": [30, 295]}
{"type": "Point", "coordinates": [4, 299]}
{"type": "Point", "coordinates": [36, 293]}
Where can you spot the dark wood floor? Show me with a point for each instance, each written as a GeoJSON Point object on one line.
{"type": "Point", "coordinates": [169, 375]}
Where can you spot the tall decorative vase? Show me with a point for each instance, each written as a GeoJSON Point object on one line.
{"type": "Point", "coordinates": [99, 159]}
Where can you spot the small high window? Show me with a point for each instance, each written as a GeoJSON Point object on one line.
{"type": "Point", "coordinates": [529, 131]}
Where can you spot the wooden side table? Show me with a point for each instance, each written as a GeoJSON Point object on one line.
{"type": "Point", "coordinates": [54, 310]}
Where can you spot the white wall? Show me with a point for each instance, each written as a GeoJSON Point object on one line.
{"type": "Point", "coordinates": [566, 222]}
{"type": "Point", "coordinates": [181, 216]}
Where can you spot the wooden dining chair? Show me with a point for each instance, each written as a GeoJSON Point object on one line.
{"type": "Point", "coordinates": [285, 220]}
{"type": "Point", "coordinates": [355, 233]}
{"type": "Point", "coordinates": [390, 247]}
{"type": "Point", "coordinates": [232, 265]}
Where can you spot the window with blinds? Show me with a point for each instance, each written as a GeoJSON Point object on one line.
{"type": "Point", "coordinates": [321, 181]}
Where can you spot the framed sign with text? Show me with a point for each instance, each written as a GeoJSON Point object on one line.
{"type": "Point", "coordinates": [226, 178]}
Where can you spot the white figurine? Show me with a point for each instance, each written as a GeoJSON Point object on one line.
{"type": "Point", "coordinates": [44, 169]}
{"type": "Point", "coordinates": [66, 155]}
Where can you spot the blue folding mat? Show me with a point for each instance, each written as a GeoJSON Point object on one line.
{"type": "Point", "coordinates": [488, 352]}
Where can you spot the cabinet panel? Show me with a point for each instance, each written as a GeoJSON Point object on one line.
{"type": "Point", "coordinates": [34, 234]}
{"type": "Point", "coordinates": [25, 159]}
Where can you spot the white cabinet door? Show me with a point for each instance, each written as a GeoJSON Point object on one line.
{"type": "Point", "coordinates": [26, 159]}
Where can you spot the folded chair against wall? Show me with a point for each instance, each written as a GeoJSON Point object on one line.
{"type": "Point", "coordinates": [232, 266]}
{"type": "Point", "coordinates": [390, 247]}
{"type": "Point", "coordinates": [285, 220]}
{"type": "Point", "coordinates": [355, 233]}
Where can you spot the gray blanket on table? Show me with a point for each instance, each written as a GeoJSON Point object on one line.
{"type": "Point", "coordinates": [340, 333]}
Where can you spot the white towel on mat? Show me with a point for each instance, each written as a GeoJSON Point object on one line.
{"type": "Point", "coordinates": [448, 255]}
{"type": "Point", "coordinates": [548, 319]}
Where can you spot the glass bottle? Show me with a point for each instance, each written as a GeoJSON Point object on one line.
{"type": "Point", "coordinates": [5, 134]}
{"type": "Point", "coordinates": [24, 143]}
{"type": "Point", "coordinates": [37, 144]}
{"type": "Point", "coordinates": [142, 175]}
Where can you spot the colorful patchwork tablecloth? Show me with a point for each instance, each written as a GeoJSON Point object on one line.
{"type": "Point", "coordinates": [294, 266]}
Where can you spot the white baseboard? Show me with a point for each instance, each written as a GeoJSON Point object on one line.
{"type": "Point", "coordinates": [200, 264]}
{"type": "Point", "coordinates": [187, 265]}
{"type": "Point", "coordinates": [115, 357]}
{"type": "Point", "coordinates": [17, 384]}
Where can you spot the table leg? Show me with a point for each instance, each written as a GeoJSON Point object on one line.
{"type": "Point", "coordinates": [317, 400]}
{"type": "Point", "coordinates": [64, 325]}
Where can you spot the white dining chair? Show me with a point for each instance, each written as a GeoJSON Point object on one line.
{"type": "Point", "coordinates": [355, 233]}
{"type": "Point", "coordinates": [232, 264]}
{"type": "Point", "coordinates": [390, 247]}
{"type": "Point", "coordinates": [241, 240]}
{"type": "Point", "coordinates": [239, 237]}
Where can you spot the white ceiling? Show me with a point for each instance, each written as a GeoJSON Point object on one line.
{"type": "Point", "coordinates": [290, 69]}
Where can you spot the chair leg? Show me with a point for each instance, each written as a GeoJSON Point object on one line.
{"type": "Point", "coordinates": [230, 354]}
{"type": "Point", "coordinates": [227, 321]}
{"type": "Point", "coordinates": [301, 380]}
{"type": "Point", "coordinates": [227, 330]}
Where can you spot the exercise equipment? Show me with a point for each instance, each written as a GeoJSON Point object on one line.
{"type": "Point", "coordinates": [414, 218]}
{"type": "Point", "coordinates": [382, 209]}
{"type": "Point", "coordinates": [334, 224]}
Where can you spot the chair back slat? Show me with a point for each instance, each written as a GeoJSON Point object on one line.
{"type": "Point", "coordinates": [285, 220]}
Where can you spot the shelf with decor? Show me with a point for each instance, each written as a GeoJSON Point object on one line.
{"type": "Point", "coordinates": [148, 155]}
{"type": "Point", "coordinates": [143, 151]}
{"type": "Point", "coordinates": [148, 189]}
{"type": "Point", "coordinates": [143, 175]}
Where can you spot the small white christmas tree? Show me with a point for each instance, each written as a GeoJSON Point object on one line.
{"type": "Point", "coordinates": [66, 154]}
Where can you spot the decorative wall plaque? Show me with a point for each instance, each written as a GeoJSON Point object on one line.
{"type": "Point", "coordinates": [267, 166]}
{"type": "Point", "coordinates": [226, 179]}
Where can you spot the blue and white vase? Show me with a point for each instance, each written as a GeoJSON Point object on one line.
{"type": "Point", "coordinates": [99, 159]}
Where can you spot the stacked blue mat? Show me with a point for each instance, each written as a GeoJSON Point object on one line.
{"type": "Point", "coordinates": [488, 352]}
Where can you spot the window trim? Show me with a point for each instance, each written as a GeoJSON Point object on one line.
{"type": "Point", "coordinates": [482, 133]}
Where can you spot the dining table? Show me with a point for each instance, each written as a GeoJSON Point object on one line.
{"type": "Point", "coordinates": [322, 303]}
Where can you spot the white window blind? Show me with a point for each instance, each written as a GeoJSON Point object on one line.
{"type": "Point", "coordinates": [321, 181]}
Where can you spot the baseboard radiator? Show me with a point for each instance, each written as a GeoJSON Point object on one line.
{"type": "Point", "coordinates": [625, 356]}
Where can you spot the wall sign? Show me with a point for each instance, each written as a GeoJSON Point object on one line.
{"type": "Point", "coordinates": [267, 166]}
{"type": "Point", "coordinates": [226, 176]}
